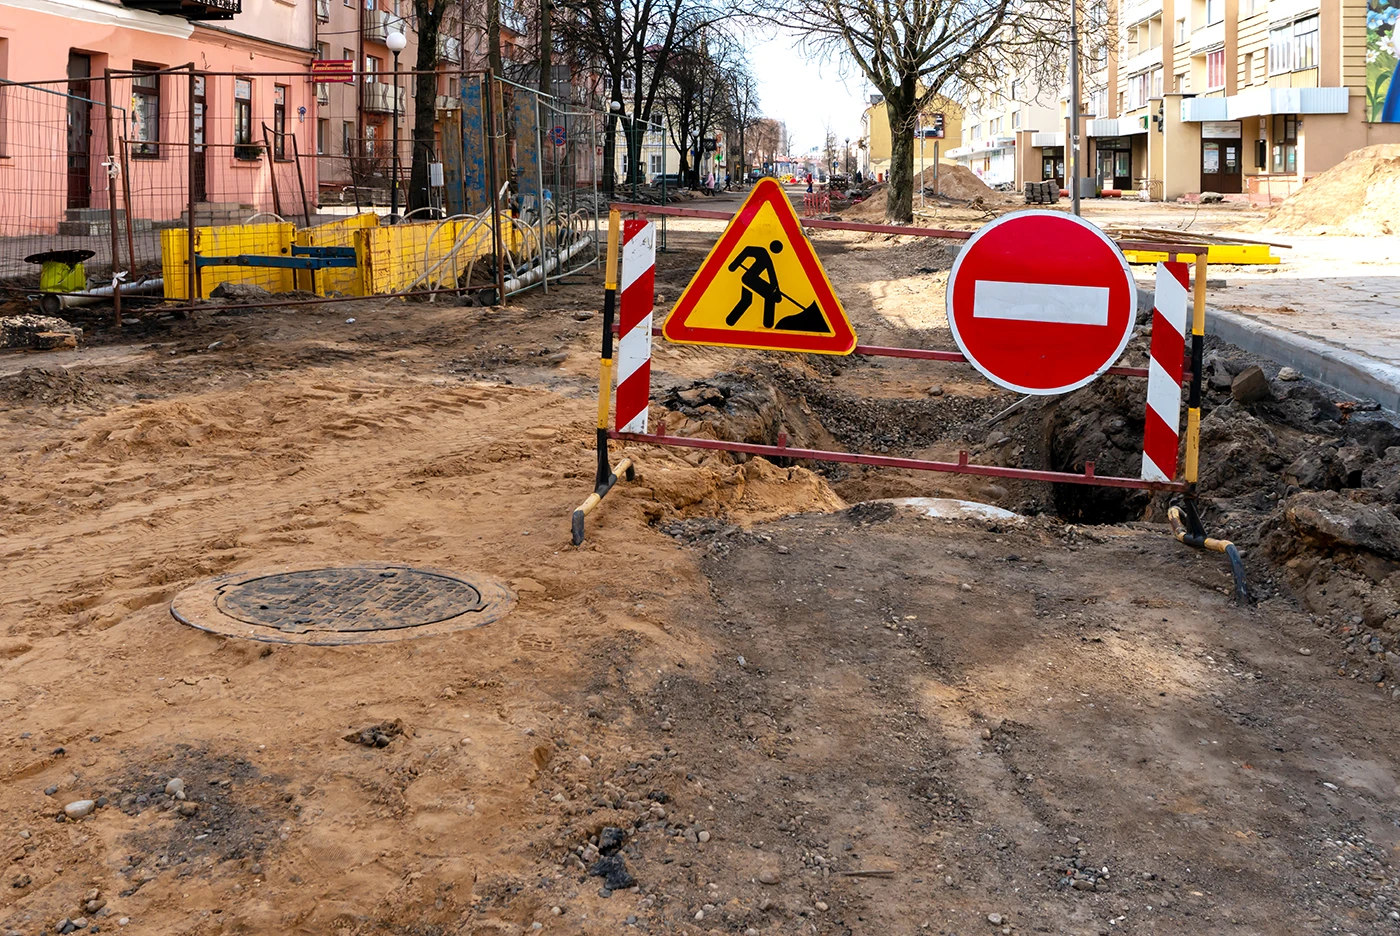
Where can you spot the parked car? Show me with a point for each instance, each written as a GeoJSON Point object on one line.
{"type": "Point", "coordinates": [669, 179]}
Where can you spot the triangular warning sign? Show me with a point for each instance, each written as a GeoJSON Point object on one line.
{"type": "Point", "coordinates": [762, 287]}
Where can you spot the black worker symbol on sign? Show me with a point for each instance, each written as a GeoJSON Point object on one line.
{"type": "Point", "coordinates": [761, 278]}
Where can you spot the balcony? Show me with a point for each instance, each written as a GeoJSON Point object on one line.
{"type": "Point", "coordinates": [379, 97]}
{"type": "Point", "coordinates": [323, 11]}
{"type": "Point", "coordinates": [1143, 61]}
{"type": "Point", "coordinates": [449, 49]}
{"type": "Point", "coordinates": [1208, 38]}
{"type": "Point", "coordinates": [448, 102]}
{"type": "Point", "coordinates": [379, 23]}
{"type": "Point", "coordinates": [513, 18]}
{"type": "Point", "coordinates": [199, 10]}
{"type": "Point", "coordinates": [1135, 13]}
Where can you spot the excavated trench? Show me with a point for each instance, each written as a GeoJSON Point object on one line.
{"type": "Point", "coordinates": [812, 407]}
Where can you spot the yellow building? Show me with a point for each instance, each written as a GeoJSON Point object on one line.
{"type": "Point", "coordinates": [939, 130]}
{"type": "Point", "coordinates": [1240, 97]}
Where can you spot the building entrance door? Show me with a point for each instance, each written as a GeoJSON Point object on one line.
{"type": "Point", "coordinates": [1222, 163]}
{"type": "Point", "coordinates": [79, 130]}
{"type": "Point", "coordinates": [1115, 164]}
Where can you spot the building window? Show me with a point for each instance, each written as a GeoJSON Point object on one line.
{"type": "Point", "coordinates": [1015, 120]}
{"type": "Point", "coordinates": [1138, 87]}
{"type": "Point", "coordinates": [1098, 103]}
{"type": "Point", "coordinates": [1215, 69]}
{"type": "Point", "coordinates": [1015, 91]}
{"type": "Point", "coordinates": [243, 147]}
{"type": "Point", "coordinates": [977, 131]}
{"type": "Point", "coordinates": [1180, 82]}
{"type": "Point", "coordinates": [1293, 47]}
{"type": "Point", "coordinates": [373, 65]}
{"type": "Point", "coordinates": [323, 51]}
{"type": "Point", "coordinates": [1181, 30]}
{"type": "Point", "coordinates": [349, 56]}
{"type": "Point", "coordinates": [994, 127]}
{"type": "Point", "coordinates": [144, 133]}
{"type": "Point", "coordinates": [1156, 82]}
{"type": "Point", "coordinates": [1285, 143]}
{"type": "Point", "coordinates": [279, 121]}
{"type": "Point", "coordinates": [347, 138]}
{"type": "Point", "coordinates": [658, 164]}
{"type": "Point", "coordinates": [1249, 68]}
{"type": "Point", "coordinates": [322, 130]}
{"type": "Point", "coordinates": [1215, 12]}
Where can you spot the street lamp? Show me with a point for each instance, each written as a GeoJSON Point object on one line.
{"type": "Point", "coordinates": [396, 41]}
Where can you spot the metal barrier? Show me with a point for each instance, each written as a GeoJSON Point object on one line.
{"type": "Point", "coordinates": [1185, 515]}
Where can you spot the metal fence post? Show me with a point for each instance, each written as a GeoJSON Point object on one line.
{"type": "Point", "coordinates": [191, 273]}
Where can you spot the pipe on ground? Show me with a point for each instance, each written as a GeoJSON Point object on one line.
{"type": "Point", "coordinates": [54, 303]}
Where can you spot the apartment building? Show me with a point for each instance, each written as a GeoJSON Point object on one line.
{"type": "Point", "coordinates": [99, 82]}
{"type": "Point", "coordinates": [1011, 134]}
{"type": "Point", "coordinates": [1240, 97]}
{"type": "Point", "coordinates": [939, 130]}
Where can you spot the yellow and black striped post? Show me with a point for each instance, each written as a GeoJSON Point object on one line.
{"type": "Point", "coordinates": [1186, 518]}
{"type": "Point", "coordinates": [605, 477]}
{"type": "Point", "coordinates": [1193, 403]}
{"type": "Point", "coordinates": [605, 362]}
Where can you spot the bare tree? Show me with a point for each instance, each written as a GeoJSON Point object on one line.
{"type": "Point", "coordinates": [430, 15]}
{"type": "Point", "coordinates": [624, 39]}
{"type": "Point", "coordinates": [912, 50]}
{"type": "Point", "coordinates": [697, 93]}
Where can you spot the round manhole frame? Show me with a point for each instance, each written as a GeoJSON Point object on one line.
{"type": "Point", "coordinates": [198, 606]}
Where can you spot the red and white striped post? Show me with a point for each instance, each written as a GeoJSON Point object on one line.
{"type": "Point", "coordinates": [638, 282]}
{"type": "Point", "coordinates": [1164, 371]}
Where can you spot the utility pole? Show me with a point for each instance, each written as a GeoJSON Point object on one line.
{"type": "Point", "coordinates": [1073, 162]}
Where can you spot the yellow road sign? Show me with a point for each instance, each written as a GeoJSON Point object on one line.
{"type": "Point", "coordinates": [762, 287]}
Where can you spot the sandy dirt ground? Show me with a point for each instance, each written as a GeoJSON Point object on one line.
{"type": "Point", "coordinates": [806, 714]}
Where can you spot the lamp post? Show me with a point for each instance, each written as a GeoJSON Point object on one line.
{"type": "Point", "coordinates": [396, 42]}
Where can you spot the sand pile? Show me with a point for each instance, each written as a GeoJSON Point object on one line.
{"type": "Point", "coordinates": [955, 182]}
{"type": "Point", "coordinates": [1359, 196]}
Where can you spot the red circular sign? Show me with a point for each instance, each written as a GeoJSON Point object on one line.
{"type": "Point", "coordinates": [1041, 302]}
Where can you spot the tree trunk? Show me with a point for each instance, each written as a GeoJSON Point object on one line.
{"type": "Point", "coordinates": [424, 117]}
{"type": "Point", "coordinates": [899, 206]}
{"type": "Point", "coordinates": [493, 36]}
{"type": "Point", "coordinates": [424, 103]}
{"type": "Point", "coordinates": [546, 47]}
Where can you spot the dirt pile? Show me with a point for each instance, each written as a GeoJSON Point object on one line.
{"type": "Point", "coordinates": [1358, 196]}
{"type": "Point", "coordinates": [949, 180]}
{"type": "Point", "coordinates": [946, 181]}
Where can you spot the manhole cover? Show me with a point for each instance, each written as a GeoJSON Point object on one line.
{"type": "Point", "coordinates": [370, 603]}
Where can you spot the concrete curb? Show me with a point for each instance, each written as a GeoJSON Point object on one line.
{"type": "Point", "coordinates": [1338, 368]}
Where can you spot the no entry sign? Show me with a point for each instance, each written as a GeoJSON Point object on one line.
{"type": "Point", "coordinates": [1041, 302]}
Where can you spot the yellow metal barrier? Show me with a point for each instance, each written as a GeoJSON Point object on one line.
{"type": "Point", "coordinates": [396, 256]}
{"type": "Point", "coordinates": [226, 241]}
{"type": "Point", "coordinates": [342, 233]}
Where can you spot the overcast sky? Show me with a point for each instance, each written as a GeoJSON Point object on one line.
{"type": "Point", "coordinates": [808, 95]}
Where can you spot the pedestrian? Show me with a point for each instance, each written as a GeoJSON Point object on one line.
{"type": "Point", "coordinates": [809, 182]}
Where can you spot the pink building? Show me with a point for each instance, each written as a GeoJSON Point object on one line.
{"type": "Point", "coordinates": [211, 102]}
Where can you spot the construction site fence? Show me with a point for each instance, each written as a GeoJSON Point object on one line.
{"type": "Point", "coordinates": [147, 168]}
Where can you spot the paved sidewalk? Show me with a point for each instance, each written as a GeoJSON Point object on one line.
{"type": "Point", "coordinates": [1331, 310]}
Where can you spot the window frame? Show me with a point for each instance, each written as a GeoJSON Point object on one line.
{"type": "Point", "coordinates": [1215, 69]}
{"type": "Point", "coordinates": [244, 149]}
{"type": "Point", "coordinates": [145, 147]}
{"type": "Point", "coordinates": [279, 122]}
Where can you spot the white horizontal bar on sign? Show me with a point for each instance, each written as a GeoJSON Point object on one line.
{"type": "Point", "coordinates": [1040, 302]}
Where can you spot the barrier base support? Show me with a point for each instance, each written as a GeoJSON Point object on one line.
{"type": "Point", "coordinates": [1188, 529]}
{"type": "Point", "coordinates": [600, 491]}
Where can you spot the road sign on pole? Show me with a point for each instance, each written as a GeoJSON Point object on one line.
{"type": "Point", "coordinates": [1041, 302]}
{"type": "Point", "coordinates": [762, 286]}
{"type": "Point", "coordinates": [558, 136]}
